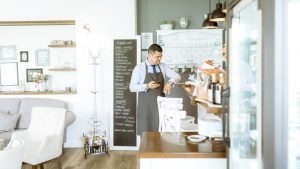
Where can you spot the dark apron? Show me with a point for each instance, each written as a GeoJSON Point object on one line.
{"type": "Point", "coordinates": [148, 118]}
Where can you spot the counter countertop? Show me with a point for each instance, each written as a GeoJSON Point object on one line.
{"type": "Point", "coordinates": [175, 145]}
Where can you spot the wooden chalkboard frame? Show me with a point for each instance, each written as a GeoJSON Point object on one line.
{"type": "Point", "coordinates": [112, 122]}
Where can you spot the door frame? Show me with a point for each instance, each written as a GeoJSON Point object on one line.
{"type": "Point", "coordinates": [274, 69]}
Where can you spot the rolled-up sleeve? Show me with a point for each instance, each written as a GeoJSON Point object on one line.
{"type": "Point", "coordinates": [171, 74]}
{"type": "Point", "coordinates": [136, 83]}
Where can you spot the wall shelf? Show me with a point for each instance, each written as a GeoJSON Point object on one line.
{"type": "Point", "coordinates": [37, 22]}
{"type": "Point", "coordinates": [62, 69]}
{"type": "Point", "coordinates": [61, 46]}
{"type": "Point", "coordinates": [35, 92]}
{"type": "Point", "coordinates": [209, 104]}
{"type": "Point", "coordinates": [211, 108]}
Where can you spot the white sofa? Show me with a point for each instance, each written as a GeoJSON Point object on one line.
{"type": "Point", "coordinates": [23, 107]}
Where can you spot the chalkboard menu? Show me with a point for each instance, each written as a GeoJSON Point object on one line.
{"type": "Point", "coordinates": [125, 54]}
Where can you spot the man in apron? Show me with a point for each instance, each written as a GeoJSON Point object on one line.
{"type": "Point", "coordinates": [150, 79]}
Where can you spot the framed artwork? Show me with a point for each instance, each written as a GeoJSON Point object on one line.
{"type": "Point", "coordinates": [23, 56]}
{"type": "Point", "coordinates": [42, 57]}
{"type": "Point", "coordinates": [147, 39]}
{"type": "Point", "coordinates": [29, 73]}
{"type": "Point", "coordinates": [9, 74]}
{"type": "Point", "coordinates": [8, 53]}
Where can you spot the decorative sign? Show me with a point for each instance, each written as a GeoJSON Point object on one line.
{"type": "Point", "coordinates": [124, 118]}
{"type": "Point", "coordinates": [147, 39]}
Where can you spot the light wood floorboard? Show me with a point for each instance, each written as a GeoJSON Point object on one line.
{"type": "Point", "coordinates": [73, 158]}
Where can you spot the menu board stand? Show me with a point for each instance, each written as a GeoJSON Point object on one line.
{"type": "Point", "coordinates": [126, 52]}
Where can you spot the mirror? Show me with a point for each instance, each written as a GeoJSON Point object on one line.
{"type": "Point", "coordinates": [9, 74]}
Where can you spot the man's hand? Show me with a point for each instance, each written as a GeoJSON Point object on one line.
{"type": "Point", "coordinates": [153, 85]}
{"type": "Point", "coordinates": [167, 88]}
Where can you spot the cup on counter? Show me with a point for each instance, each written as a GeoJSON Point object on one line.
{"type": "Point", "coordinates": [1, 143]}
{"type": "Point", "coordinates": [68, 89]}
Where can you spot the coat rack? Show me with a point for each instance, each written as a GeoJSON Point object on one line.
{"type": "Point", "coordinates": [95, 141]}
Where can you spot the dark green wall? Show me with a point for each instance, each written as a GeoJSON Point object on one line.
{"type": "Point", "coordinates": [152, 12]}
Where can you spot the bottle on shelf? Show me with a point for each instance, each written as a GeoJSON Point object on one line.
{"type": "Point", "coordinates": [212, 89]}
{"type": "Point", "coordinates": [219, 89]}
{"type": "Point", "coordinates": [218, 94]}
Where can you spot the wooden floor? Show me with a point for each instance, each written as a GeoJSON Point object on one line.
{"type": "Point", "coordinates": [73, 158]}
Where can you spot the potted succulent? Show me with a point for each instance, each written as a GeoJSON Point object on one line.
{"type": "Point", "coordinates": [166, 25]}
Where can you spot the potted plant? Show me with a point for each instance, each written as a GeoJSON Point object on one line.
{"type": "Point", "coordinates": [39, 80]}
{"type": "Point", "coordinates": [166, 25]}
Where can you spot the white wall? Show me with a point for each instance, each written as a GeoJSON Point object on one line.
{"type": "Point", "coordinates": [30, 38]}
{"type": "Point", "coordinates": [106, 19]}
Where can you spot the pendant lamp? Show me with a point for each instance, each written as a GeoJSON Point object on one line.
{"type": "Point", "coordinates": [207, 23]}
{"type": "Point", "coordinates": [224, 7]}
{"type": "Point", "coordinates": [217, 15]}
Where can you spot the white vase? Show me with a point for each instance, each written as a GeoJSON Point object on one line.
{"type": "Point", "coordinates": [183, 23]}
{"type": "Point", "coordinates": [40, 87]}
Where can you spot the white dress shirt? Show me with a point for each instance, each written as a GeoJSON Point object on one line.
{"type": "Point", "coordinates": [139, 72]}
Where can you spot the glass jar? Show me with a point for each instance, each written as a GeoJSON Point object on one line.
{"type": "Point", "coordinates": [183, 22]}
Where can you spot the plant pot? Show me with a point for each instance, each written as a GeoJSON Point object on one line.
{"type": "Point", "coordinates": [166, 26]}
{"type": "Point", "coordinates": [39, 87]}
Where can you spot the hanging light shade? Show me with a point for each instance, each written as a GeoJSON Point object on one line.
{"type": "Point", "coordinates": [224, 7]}
{"type": "Point", "coordinates": [207, 23]}
{"type": "Point", "coordinates": [217, 15]}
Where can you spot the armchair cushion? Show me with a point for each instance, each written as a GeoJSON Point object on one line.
{"type": "Point", "coordinates": [8, 121]}
{"type": "Point", "coordinates": [28, 103]}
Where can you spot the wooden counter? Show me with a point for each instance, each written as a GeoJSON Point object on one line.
{"type": "Point", "coordinates": [175, 145]}
{"type": "Point", "coordinates": [173, 150]}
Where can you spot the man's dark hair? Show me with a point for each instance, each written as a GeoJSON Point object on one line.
{"type": "Point", "coordinates": [154, 48]}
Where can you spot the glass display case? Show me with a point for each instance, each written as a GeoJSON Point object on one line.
{"type": "Point", "coordinates": [245, 86]}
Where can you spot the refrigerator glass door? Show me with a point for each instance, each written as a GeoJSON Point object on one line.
{"type": "Point", "coordinates": [245, 86]}
{"type": "Point", "coordinates": [293, 85]}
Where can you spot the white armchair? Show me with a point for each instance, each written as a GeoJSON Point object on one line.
{"type": "Point", "coordinates": [11, 156]}
{"type": "Point", "coordinates": [171, 116]}
{"type": "Point", "coordinates": [44, 136]}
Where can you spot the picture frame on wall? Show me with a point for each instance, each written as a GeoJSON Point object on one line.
{"type": "Point", "coordinates": [9, 74]}
{"type": "Point", "coordinates": [42, 57]}
{"type": "Point", "coordinates": [24, 56]}
{"type": "Point", "coordinates": [8, 53]}
{"type": "Point", "coordinates": [29, 73]}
